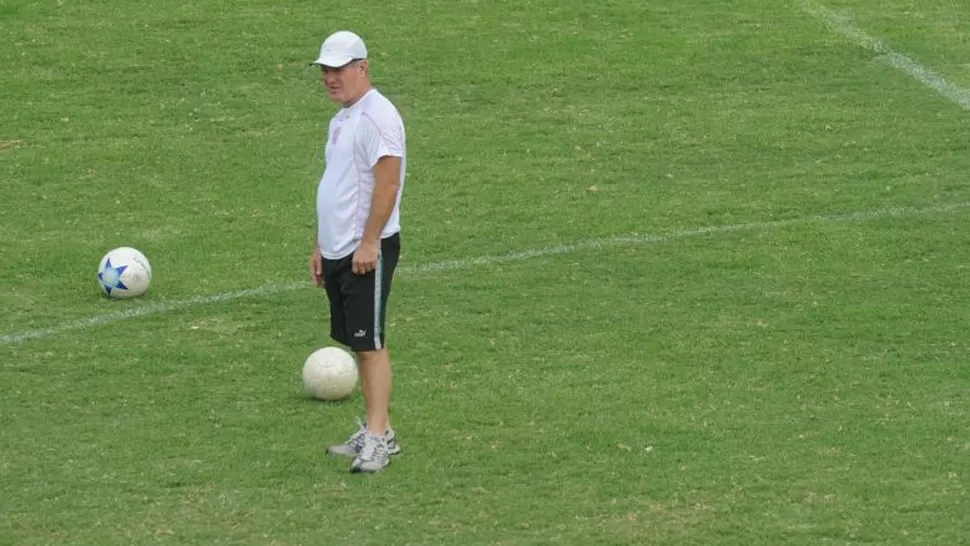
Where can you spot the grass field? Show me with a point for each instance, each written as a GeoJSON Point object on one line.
{"type": "Point", "coordinates": [674, 273]}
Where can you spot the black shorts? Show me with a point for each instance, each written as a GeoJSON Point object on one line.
{"type": "Point", "coordinates": [358, 303]}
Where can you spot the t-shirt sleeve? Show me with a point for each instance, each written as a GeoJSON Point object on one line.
{"type": "Point", "coordinates": [379, 139]}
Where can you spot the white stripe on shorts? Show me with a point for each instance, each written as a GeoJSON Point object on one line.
{"type": "Point", "coordinates": [378, 291]}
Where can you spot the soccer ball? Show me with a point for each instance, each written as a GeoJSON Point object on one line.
{"type": "Point", "coordinates": [329, 373]}
{"type": "Point", "coordinates": [124, 273]}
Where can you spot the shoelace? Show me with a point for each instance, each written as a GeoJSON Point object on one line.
{"type": "Point", "coordinates": [357, 439]}
{"type": "Point", "coordinates": [374, 447]}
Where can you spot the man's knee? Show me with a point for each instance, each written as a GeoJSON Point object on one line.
{"type": "Point", "coordinates": [371, 355]}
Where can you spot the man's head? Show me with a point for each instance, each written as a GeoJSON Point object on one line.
{"type": "Point", "coordinates": [343, 63]}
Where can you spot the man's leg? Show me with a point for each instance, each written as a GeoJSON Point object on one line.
{"type": "Point", "coordinates": [379, 442]}
{"type": "Point", "coordinates": [375, 381]}
{"type": "Point", "coordinates": [364, 303]}
{"type": "Point", "coordinates": [374, 362]}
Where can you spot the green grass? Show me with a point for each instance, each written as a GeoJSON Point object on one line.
{"type": "Point", "coordinates": [794, 375]}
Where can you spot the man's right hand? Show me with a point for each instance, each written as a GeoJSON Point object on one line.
{"type": "Point", "coordinates": [316, 267]}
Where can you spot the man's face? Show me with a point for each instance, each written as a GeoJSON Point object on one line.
{"type": "Point", "coordinates": [347, 83]}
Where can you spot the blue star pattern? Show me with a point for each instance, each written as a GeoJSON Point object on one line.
{"type": "Point", "coordinates": [110, 277]}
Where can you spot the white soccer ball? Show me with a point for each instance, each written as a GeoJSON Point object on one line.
{"type": "Point", "coordinates": [329, 373]}
{"type": "Point", "coordinates": [124, 273]}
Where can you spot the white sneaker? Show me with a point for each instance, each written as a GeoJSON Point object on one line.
{"type": "Point", "coordinates": [353, 446]}
{"type": "Point", "coordinates": [374, 456]}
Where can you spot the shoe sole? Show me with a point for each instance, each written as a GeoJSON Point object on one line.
{"type": "Point", "coordinates": [362, 470]}
{"type": "Point", "coordinates": [343, 451]}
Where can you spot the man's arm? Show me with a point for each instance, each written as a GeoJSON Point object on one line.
{"type": "Point", "coordinates": [387, 182]}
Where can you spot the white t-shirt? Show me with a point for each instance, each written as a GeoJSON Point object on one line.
{"type": "Point", "coordinates": [358, 136]}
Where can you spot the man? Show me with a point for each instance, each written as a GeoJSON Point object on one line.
{"type": "Point", "coordinates": [358, 240]}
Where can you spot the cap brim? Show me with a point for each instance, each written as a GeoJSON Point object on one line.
{"type": "Point", "coordinates": [333, 62]}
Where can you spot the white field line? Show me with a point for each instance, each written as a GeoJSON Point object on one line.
{"type": "Point", "coordinates": [958, 95]}
{"type": "Point", "coordinates": [451, 265]}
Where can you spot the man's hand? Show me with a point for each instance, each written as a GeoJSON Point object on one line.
{"type": "Point", "coordinates": [365, 257]}
{"type": "Point", "coordinates": [316, 267]}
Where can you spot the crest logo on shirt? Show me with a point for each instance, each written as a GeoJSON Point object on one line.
{"type": "Point", "coordinates": [335, 136]}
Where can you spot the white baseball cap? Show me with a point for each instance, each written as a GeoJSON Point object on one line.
{"type": "Point", "coordinates": [340, 48]}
